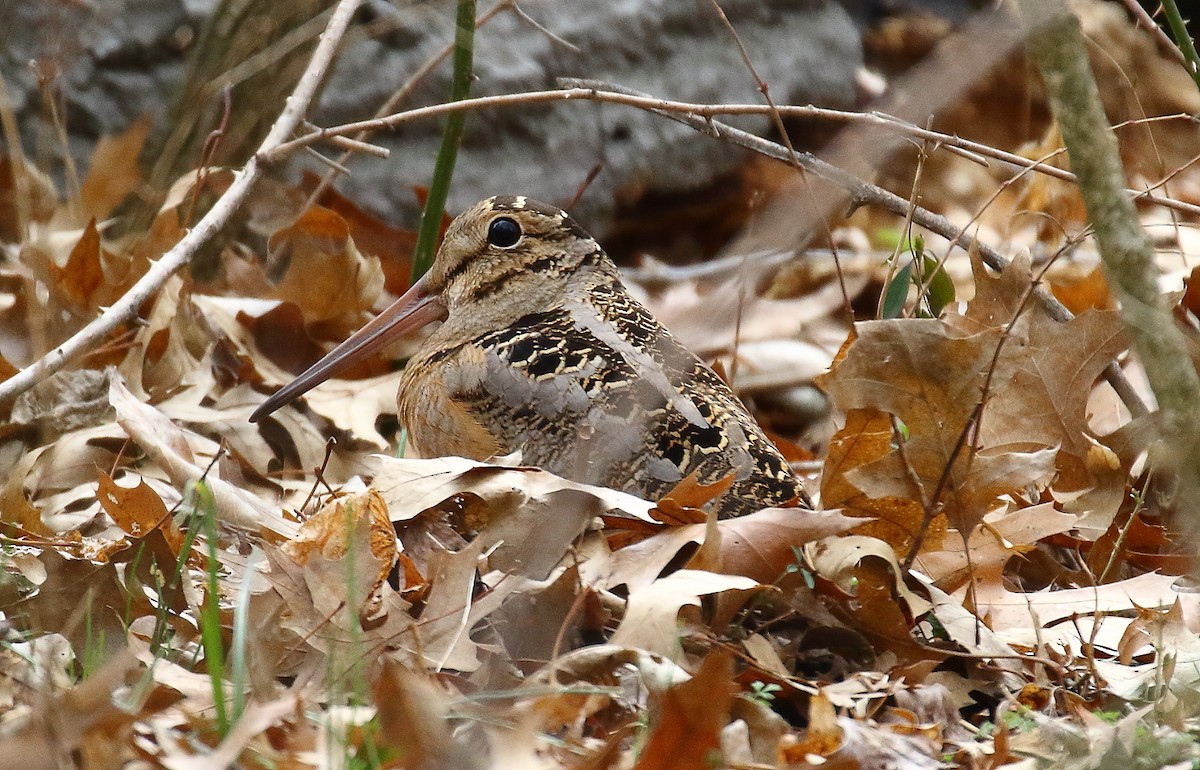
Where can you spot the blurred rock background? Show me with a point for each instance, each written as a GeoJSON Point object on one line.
{"type": "Point", "coordinates": [75, 72]}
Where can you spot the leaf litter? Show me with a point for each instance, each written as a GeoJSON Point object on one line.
{"type": "Point", "coordinates": [441, 612]}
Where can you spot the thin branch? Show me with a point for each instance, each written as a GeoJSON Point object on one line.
{"type": "Point", "coordinates": [1164, 40]}
{"type": "Point", "coordinates": [126, 308]}
{"type": "Point", "coordinates": [403, 93]}
{"type": "Point", "coordinates": [597, 91]}
{"type": "Point", "coordinates": [553, 38]}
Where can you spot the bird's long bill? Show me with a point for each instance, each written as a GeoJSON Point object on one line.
{"type": "Point", "coordinates": [414, 309]}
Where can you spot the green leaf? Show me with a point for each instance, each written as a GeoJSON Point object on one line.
{"type": "Point", "coordinates": [940, 288]}
{"type": "Point", "coordinates": [896, 292]}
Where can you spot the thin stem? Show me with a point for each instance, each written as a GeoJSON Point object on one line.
{"type": "Point", "coordinates": [443, 168]}
{"type": "Point", "coordinates": [1179, 31]}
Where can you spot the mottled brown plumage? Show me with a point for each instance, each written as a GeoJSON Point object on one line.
{"type": "Point", "coordinates": [542, 350]}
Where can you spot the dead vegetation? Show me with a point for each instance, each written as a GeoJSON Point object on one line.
{"type": "Point", "coordinates": [992, 579]}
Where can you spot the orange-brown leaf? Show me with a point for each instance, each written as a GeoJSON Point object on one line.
{"type": "Point", "coordinates": [687, 734]}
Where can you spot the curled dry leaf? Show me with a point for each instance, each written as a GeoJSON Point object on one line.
{"type": "Point", "coordinates": [315, 264]}
{"type": "Point", "coordinates": [333, 604]}
{"type": "Point", "coordinates": [66, 719]}
{"type": "Point", "coordinates": [841, 743]}
{"type": "Point", "coordinates": [328, 532]}
{"type": "Point", "coordinates": [527, 517]}
{"type": "Point", "coordinates": [393, 245]}
{"type": "Point", "coordinates": [761, 546]}
{"type": "Point", "coordinates": [865, 587]}
{"type": "Point", "coordinates": [170, 447]}
{"type": "Point", "coordinates": [1005, 534]}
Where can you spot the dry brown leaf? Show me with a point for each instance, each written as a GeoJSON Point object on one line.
{"type": "Point", "coordinates": [866, 437]}
{"type": "Point", "coordinates": [249, 730]}
{"type": "Point", "coordinates": [316, 265]}
{"type": "Point", "coordinates": [1041, 386]}
{"type": "Point", "coordinates": [842, 743]}
{"type": "Point", "coordinates": [412, 715]}
{"type": "Point", "coordinates": [760, 546]}
{"type": "Point", "coordinates": [1081, 293]}
{"type": "Point", "coordinates": [651, 619]}
{"type": "Point", "coordinates": [683, 504]}
{"type": "Point", "coordinates": [691, 715]}
{"type": "Point", "coordinates": [329, 532]}
{"type": "Point", "coordinates": [529, 515]}
{"type": "Point", "coordinates": [64, 719]}
{"type": "Point", "coordinates": [138, 510]}
{"type": "Point", "coordinates": [1015, 612]}
{"type": "Point", "coordinates": [866, 589]}
{"type": "Point", "coordinates": [170, 447]}
{"type": "Point", "coordinates": [393, 245]}
{"type": "Point", "coordinates": [332, 605]}
{"type": "Point", "coordinates": [444, 638]}
{"type": "Point", "coordinates": [113, 172]}
{"type": "Point", "coordinates": [931, 375]}
{"type": "Point", "coordinates": [1005, 534]}
{"type": "Point", "coordinates": [78, 282]}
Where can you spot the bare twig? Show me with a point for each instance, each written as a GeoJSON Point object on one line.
{"type": "Point", "coordinates": [352, 145]}
{"type": "Point", "coordinates": [401, 94]}
{"type": "Point", "coordinates": [598, 91]}
{"type": "Point", "coordinates": [1164, 40]}
{"type": "Point", "coordinates": [553, 38]}
{"type": "Point", "coordinates": [126, 308]}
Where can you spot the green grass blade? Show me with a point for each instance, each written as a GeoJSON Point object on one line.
{"type": "Point", "coordinates": [443, 168]}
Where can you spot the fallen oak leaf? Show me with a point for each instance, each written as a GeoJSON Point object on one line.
{"type": "Point", "coordinates": [319, 243]}
{"type": "Point", "coordinates": [329, 532]}
{"type": "Point", "coordinates": [77, 282]}
{"type": "Point", "coordinates": [861, 581]}
{"type": "Point", "coordinates": [651, 619]}
{"type": "Point", "coordinates": [866, 437]}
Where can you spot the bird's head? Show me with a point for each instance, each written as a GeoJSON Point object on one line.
{"type": "Point", "coordinates": [504, 256]}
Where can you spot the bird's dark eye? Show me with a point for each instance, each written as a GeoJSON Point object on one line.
{"type": "Point", "coordinates": [504, 232]}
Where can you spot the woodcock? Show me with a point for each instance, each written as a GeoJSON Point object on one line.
{"type": "Point", "coordinates": [541, 349]}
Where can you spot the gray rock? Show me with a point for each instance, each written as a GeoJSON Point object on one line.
{"type": "Point", "coordinates": [123, 58]}
{"type": "Point", "coordinates": [806, 51]}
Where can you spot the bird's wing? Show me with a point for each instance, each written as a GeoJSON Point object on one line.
{"type": "Point", "coordinates": [600, 391]}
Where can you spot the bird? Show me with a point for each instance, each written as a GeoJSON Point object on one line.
{"type": "Point", "coordinates": [542, 350]}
